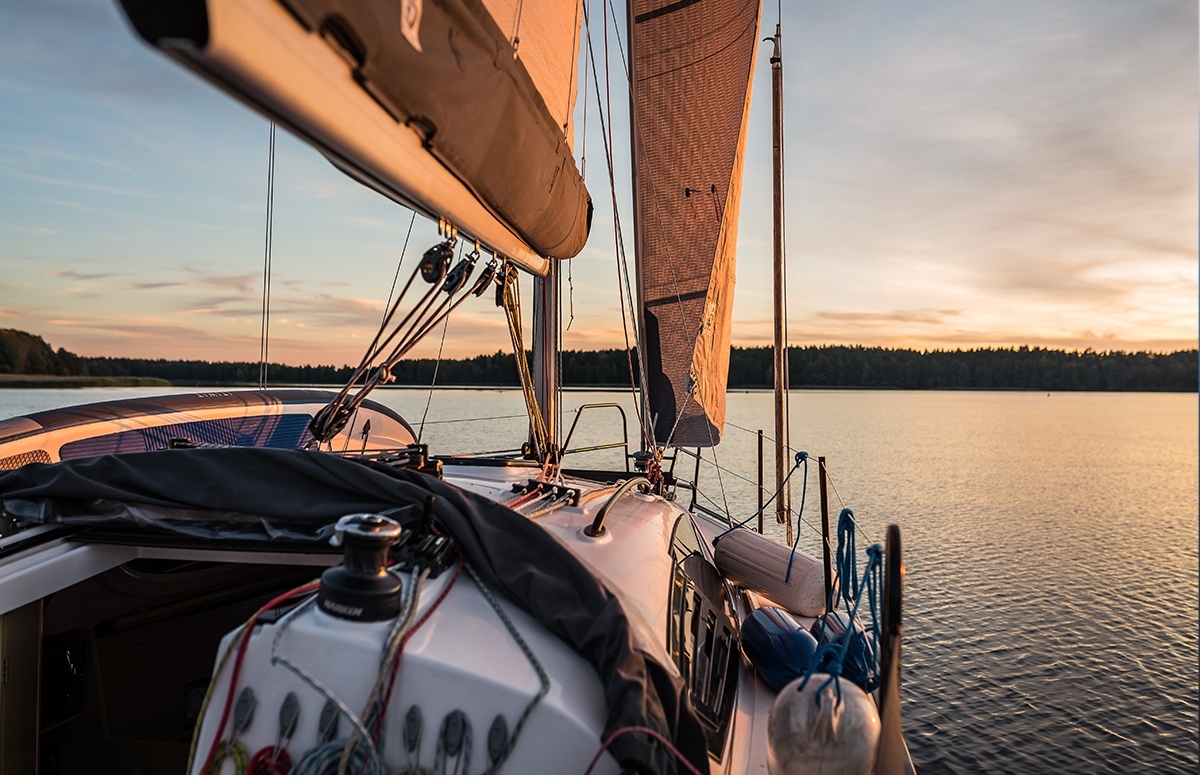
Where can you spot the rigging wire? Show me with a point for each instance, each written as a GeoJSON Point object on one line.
{"type": "Point", "coordinates": [516, 40]}
{"type": "Point", "coordinates": [441, 347]}
{"type": "Point", "coordinates": [400, 261]}
{"type": "Point", "coordinates": [424, 316]}
{"type": "Point", "coordinates": [622, 263]}
{"type": "Point", "coordinates": [265, 325]}
{"type": "Point", "coordinates": [571, 79]}
{"type": "Point", "coordinates": [570, 292]}
{"type": "Point", "coordinates": [436, 365]}
{"type": "Point", "coordinates": [510, 294]}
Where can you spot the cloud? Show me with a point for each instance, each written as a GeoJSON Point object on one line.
{"type": "Point", "coordinates": [243, 283]}
{"type": "Point", "coordinates": [97, 188]}
{"type": "Point", "coordinates": [153, 286]}
{"type": "Point", "coordinates": [42, 230]}
{"type": "Point", "coordinates": [935, 317]}
{"type": "Point", "coordinates": [32, 154]}
{"type": "Point", "coordinates": [968, 173]}
{"type": "Point", "coordinates": [73, 275]}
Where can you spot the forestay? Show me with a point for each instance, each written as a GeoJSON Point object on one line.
{"type": "Point", "coordinates": [693, 62]}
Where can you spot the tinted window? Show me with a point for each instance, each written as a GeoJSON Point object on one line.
{"type": "Point", "coordinates": [286, 431]}
{"type": "Point", "coordinates": [701, 638]}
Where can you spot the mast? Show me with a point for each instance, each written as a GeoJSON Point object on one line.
{"type": "Point", "coordinates": [545, 352]}
{"type": "Point", "coordinates": [643, 396]}
{"type": "Point", "coordinates": [783, 503]}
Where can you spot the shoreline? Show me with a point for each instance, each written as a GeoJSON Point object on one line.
{"type": "Point", "coordinates": [28, 381]}
{"type": "Point", "coordinates": [43, 381]}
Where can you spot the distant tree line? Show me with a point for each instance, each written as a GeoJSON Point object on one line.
{"type": "Point", "coordinates": [1021, 368]}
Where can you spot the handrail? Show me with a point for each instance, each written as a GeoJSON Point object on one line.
{"type": "Point", "coordinates": [595, 448]}
{"type": "Point", "coordinates": [596, 529]}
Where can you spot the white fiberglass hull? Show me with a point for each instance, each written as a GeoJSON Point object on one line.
{"type": "Point", "coordinates": [462, 656]}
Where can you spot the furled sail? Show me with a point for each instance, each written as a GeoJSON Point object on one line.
{"type": "Point", "coordinates": [459, 108]}
{"type": "Point", "coordinates": [692, 68]}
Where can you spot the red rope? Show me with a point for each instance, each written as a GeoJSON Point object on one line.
{"type": "Point", "coordinates": [535, 492]}
{"type": "Point", "coordinates": [267, 762]}
{"type": "Point", "coordinates": [387, 697]}
{"type": "Point", "coordinates": [237, 664]}
{"type": "Point", "coordinates": [645, 731]}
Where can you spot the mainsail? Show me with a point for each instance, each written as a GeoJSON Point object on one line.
{"type": "Point", "coordinates": [458, 108]}
{"type": "Point", "coordinates": [692, 67]}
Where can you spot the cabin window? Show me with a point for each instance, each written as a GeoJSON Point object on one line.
{"type": "Point", "coordinates": [700, 636]}
{"type": "Point", "coordinates": [286, 431]}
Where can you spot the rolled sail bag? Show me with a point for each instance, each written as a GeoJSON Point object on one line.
{"type": "Point", "coordinates": [759, 564]}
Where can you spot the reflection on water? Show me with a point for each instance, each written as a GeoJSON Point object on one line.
{"type": "Point", "coordinates": [1051, 543]}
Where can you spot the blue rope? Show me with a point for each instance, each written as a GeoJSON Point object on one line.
{"type": "Point", "coordinates": [324, 760]}
{"type": "Point", "coordinates": [801, 457]}
{"type": "Point", "coordinates": [799, 516]}
{"type": "Point", "coordinates": [852, 590]}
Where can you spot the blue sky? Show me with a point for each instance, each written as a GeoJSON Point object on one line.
{"type": "Point", "coordinates": [975, 173]}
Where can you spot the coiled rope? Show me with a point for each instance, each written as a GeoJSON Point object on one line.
{"type": "Point", "coordinates": [234, 751]}
{"type": "Point", "coordinates": [270, 761]}
{"type": "Point", "coordinates": [830, 657]}
{"type": "Point", "coordinates": [324, 760]}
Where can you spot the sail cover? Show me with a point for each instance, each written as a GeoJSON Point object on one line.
{"type": "Point", "coordinates": [692, 67]}
{"type": "Point", "coordinates": [458, 108]}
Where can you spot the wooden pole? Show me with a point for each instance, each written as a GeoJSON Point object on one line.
{"type": "Point", "coordinates": [783, 501]}
{"type": "Point", "coordinates": [824, 486]}
{"type": "Point", "coordinates": [760, 481]}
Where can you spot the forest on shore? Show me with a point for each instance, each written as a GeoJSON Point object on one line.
{"type": "Point", "coordinates": [828, 366]}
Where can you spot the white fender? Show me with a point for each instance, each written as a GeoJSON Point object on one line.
{"type": "Point", "coordinates": [758, 563]}
{"type": "Point", "coordinates": [835, 738]}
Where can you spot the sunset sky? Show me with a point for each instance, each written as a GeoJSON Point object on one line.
{"type": "Point", "coordinates": [960, 174]}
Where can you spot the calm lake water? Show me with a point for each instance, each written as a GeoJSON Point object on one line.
{"type": "Point", "coordinates": [1051, 547]}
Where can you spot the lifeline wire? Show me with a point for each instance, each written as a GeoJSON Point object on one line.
{"type": "Point", "coordinates": [825, 466]}
{"type": "Point", "coordinates": [801, 458]}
